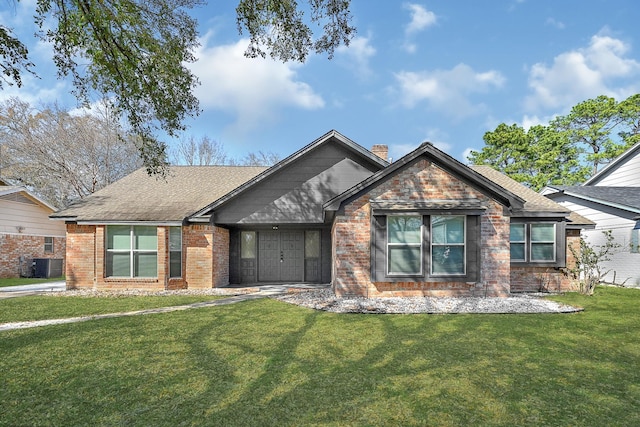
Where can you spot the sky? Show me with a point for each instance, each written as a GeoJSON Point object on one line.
{"type": "Point", "coordinates": [440, 71]}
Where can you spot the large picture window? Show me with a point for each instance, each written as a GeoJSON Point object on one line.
{"type": "Point", "coordinates": [448, 245]}
{"type": "Point", "coordinates": [404, 245]}
{"type": "Point", "coordinates": [132, 251]}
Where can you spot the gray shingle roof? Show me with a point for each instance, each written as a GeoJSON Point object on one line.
{"type": "Point", "coordinates": [622, 197]}
{"type": "Point", "coordinates": [534, 202]}
{"type": "Point", "coordinates": [140, 197]}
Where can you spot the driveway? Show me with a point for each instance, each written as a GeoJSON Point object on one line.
{"type": "Point", "coordinates": [23, 290]}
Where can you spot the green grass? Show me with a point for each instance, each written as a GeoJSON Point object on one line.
{"type": "Point", "coordinates": [263, 363]}
{"type": "Point", "coordinates": [54, 307]}
{"type": "Point", "coordinates": [18, 281]}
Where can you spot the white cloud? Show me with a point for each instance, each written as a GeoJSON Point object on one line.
{"type": "Point", "coordinates": [582, 74]}
{"type": "Point", "coordinates": [421, 18]}
{"type": "Point", "coordinates": [447, 91]}
{"type": "Point", "coordinates": [254, 90]}
{"type": "Point", "coordinates": [358, 54]}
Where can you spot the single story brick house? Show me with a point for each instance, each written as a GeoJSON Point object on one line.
{"type": "Point", "coordinates": [332, 212]}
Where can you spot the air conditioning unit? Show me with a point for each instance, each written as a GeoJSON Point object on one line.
{"type": "Point", "coordinates": [47, 267]}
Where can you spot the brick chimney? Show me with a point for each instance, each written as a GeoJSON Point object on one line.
{"type": "Point", "coordinates": [381, 151]}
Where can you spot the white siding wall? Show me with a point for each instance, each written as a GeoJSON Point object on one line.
{"type": "Point", "coordinates": [33, 217]}
{"type": "Point", "coordinates": [624, 265]}
{"type": "Point", "coordinates": [626, 174]}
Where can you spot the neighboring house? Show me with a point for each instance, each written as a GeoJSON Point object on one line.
{"type": "Point", "coordinates": [26, 232]}
{"type": "Point", "coordinates": [333, 212]}
{"type": "Point", "coordinates": [611, 199]}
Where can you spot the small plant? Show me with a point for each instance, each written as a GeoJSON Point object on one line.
{"type": "Point", "coordinates": [588, 268]}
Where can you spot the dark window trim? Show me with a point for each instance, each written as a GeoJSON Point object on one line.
{"type": "Point", "coordinates": [379, 243]}
{"type": "Point", "coordinates": [560, 243]}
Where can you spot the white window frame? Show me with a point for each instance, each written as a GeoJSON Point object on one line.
{"type": "Point", "coordinates": [397, 244]}
{"type": "Point", "coordinates": [463, 245]}
{"type": "Point", "coordinates": [131, 251]}
{"type": "Point", "coordinates": [49, 245]}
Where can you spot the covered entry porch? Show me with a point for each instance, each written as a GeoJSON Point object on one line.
{"type": "Point", "coordinates": [280, 254]}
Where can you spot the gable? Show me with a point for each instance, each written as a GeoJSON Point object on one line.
{"type": "Point", "coordinates": [428, 155]}
{"type": "Point", "coordinates": [623, 171]}
{"type": "Point", "coordinates": [294, 190]}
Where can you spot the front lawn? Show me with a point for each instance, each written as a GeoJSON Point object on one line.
{"type": "Point", "coordinates": [264, 362]}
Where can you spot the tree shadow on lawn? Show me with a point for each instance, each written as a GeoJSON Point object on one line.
{"type": "Point", "coordinates": [383, 369]}
{"type": "Point", "coordinates": [270, 363]}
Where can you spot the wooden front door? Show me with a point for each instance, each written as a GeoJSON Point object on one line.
{"type": "Point", "coordinates": [281, 256]}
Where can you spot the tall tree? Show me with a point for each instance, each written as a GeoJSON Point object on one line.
{"type": "Point", "coordinates": [591, 127]}
{"type": "Point", "coordinates": [567, 151]}
{"type": "Point", "coordinates": [203, 152]}
{"type": "Point", "coordinates": [135, 53]}
{"type": "Point", "coordinates": [63, 156]}
{"type": "Point", "coordinates": [534, 157]}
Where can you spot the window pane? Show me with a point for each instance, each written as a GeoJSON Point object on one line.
{"type": "Point", "coordinates": [145, 237]}
{"type": "Point", "coordinates": [175, 264]}
{"type": "Point", "coordinates": [312, 244]}
{"type": "Point", "coordinates": [404, 229]}
{"type": "Point", "coordinates": [175, 238]}
{"type": "Point", "coordinates": [517, 251]}
{"type": "Point", "coordinates": [542, 252]}
{"type": "Point", "coordinates": [447, 259]}
{"type": "Point", "coordinates": [118, 237]}
{"type": "Point", "coordinates": [517, 232]}
{"type": "Point", "coordinates": [145, 264]}
{"type": "Point", "coordinates": [447, 229]}
{"type": "Point", "coordinates": [248, 244]}
{"type": "Point", "coordinates": [543, 233]}
{"type": "Point", "coordinates": [118, 264]}
{"type": "Point", "coordinates": [404, 260]}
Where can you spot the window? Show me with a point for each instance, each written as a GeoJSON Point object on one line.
{"type": "Point", "coordinates": [48, 245]}
{"type": "Point", "coordinates": [248, 244]}
{"type": "Point", "coordinates": [543, 242]}
{"type": "Point", "coordinates": [518, 242]}
{"type": "Point", "coordinates": [534, 242]}
{"type": "Point", "coordinates": [448, 245]}
{"type": "Point", "coordinates": [175, 251]}
{"type": "Point", "coordinates": [404, 245]}
{"type": "Point", "coordinates": [132, 251]}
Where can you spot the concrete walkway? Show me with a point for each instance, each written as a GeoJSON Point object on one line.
{"type": "Point", "coordinates": [24, 290]}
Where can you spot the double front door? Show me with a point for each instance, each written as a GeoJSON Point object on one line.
{"type": "Point", "coordinates": [280, 256]}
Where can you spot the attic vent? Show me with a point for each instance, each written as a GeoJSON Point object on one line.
{"type": "Point", "coordinates": [17, 197]}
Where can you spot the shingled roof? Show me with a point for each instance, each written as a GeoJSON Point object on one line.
{"type": "Point", "coordinates": [140, 197]}
{"type": "Point", "coordinates": [534, 202]}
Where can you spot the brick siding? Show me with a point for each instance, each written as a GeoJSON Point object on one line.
{"type": "Point", "coordinates": [548, 279]}
{"type": "Point", "coordinates": [14, 247]}
{"type": "Point", "coordinates": [421, 181]}
{"type": "Point", "coordinates": [200, 267]}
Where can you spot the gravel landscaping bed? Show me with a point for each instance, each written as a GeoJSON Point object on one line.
{"type": "Point", "coordinates": [522, 303]}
